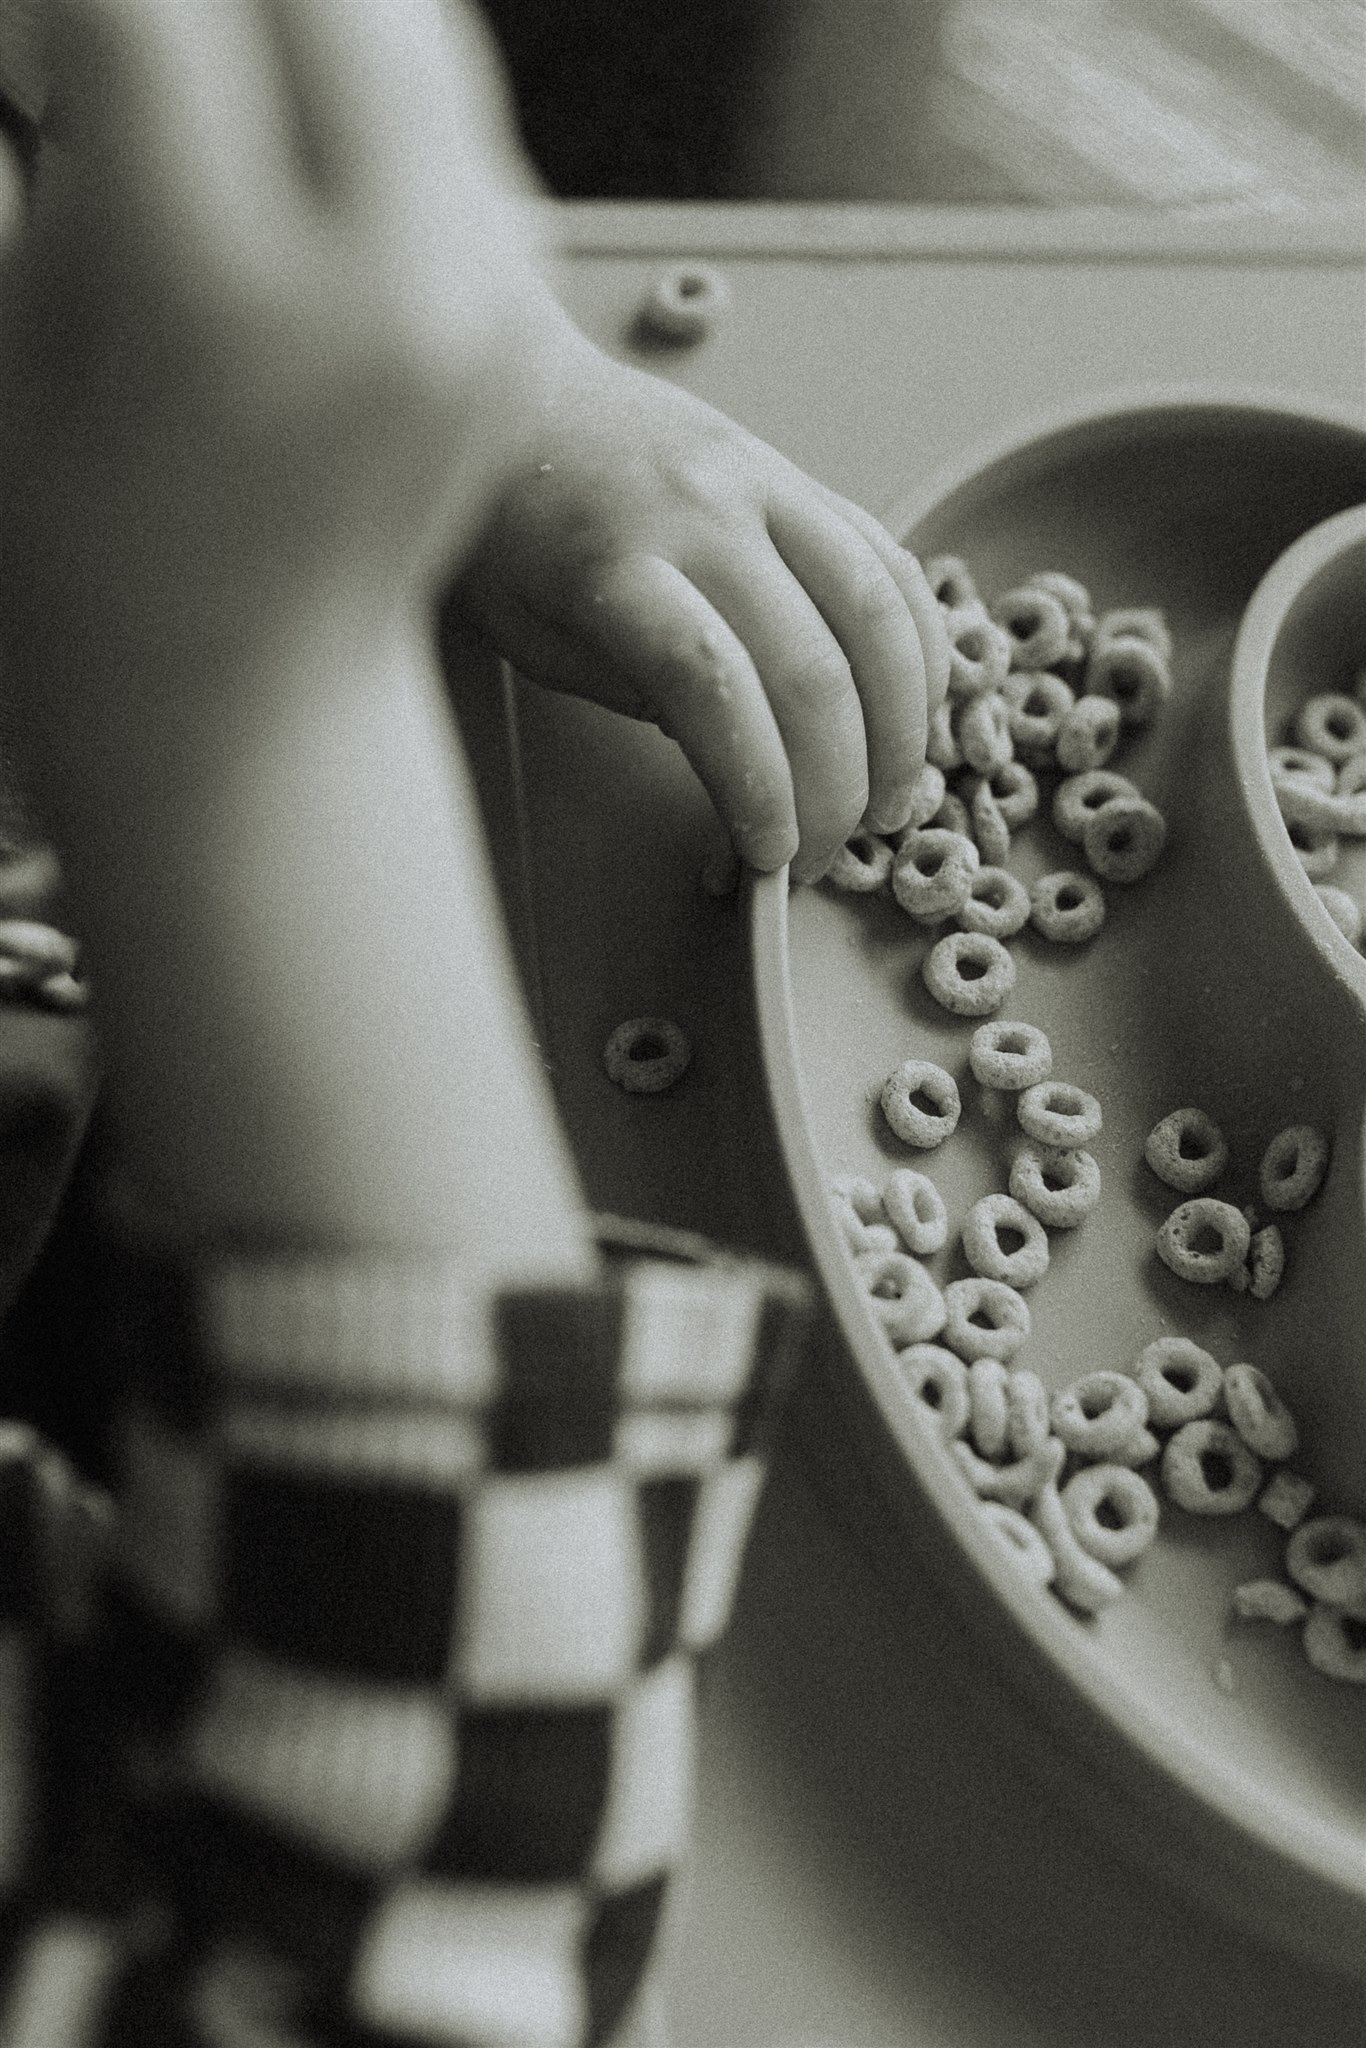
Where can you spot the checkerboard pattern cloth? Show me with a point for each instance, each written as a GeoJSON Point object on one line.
{"type": "Point", "coordinates": [391, 1682]}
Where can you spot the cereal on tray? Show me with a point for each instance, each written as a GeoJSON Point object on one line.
{"type": "Point", "coordinates": [915, 1208]}
{"type": "Point", "coordinates": [1059, 1115]}
{"type": "Point", "coordinates": [1088, 734]}
{"type": "Point", "coordinates": [1010, 1056]}
{"type": "Point", "coordinates": [989, 826]}
{"type": "Point", "coordinates": [921, 1103]}
{"type": "Point", "coordinates": [979, 653]}
{"type": "Point", "coordinates": [1286, 1499]}
{"type": "Point", "coordinates": [1326, 1557]}
{"type": "Point", "coordinates": [1208, 1469]}
{"type": "Point", "coordinates": [1333, 1644]}
{"type": "Point", "coordinates": [998, 903]}
{"type": "Point", "coordinates": [1269, 1600]}
{"type": "Point", "coordinates": [861, 865]}
{"type": "Point", "coordinates": [983, 730]}
{"type": "Point", "coordinates": [1078, 798]}
{"type": "Point", "coordinates": [1067, 907]}
{"type": "Point", "coordinates": [989, 1418]}
{"type": "Point", "coordinates": [938, 1380]}
{"type": "Point", "coordinates": [1037, 624]}
{"type": "Point", "coordinates": [1021, 1539]}
{"type": "Point", "coordinates": [1123, 840]}
{"type": "Point", "coordinates": [933, 872]}
{"type": "Point", "coordinates": [902, 1296]}
{"type": "Point", "coordinates": [646, 1055]}
{"type": "Point", "coordinates": [1204, 1240]}
{"type": "Point", "coordinates": [1019, 1482]}
{"type": "Point", "coordinates": [1036, 705]}
{"type": "Point", "coordinates": [1060, 1186]}
{"type": "Point", "coordinates": [1259, 1415]}
{"type": "Point", "coordinates": [985, 1318]}
{"type": "Point", "coordinates": [1136, 622]}
{"type": "Point", "coordinates": [951, 580]}
{"type": "Point", "coordinates": [1028, 1417]}
{"type": "Point", "coordinates": [1187, 1150]}
{"type": "Point", "coordinates": [1003, 1241]}
{"type": "Point", "coordinates": [1182, 1381]}
{"type": "Point", "coordinates": [1132, 671]}
{"type": "Point", "coordinates": [1104, 1415]}
{"type": "Point", "coordinates": [1113, 1512]}
{"type": "Point", "coordinates": [1265, 1262]}
{"type": "Point", "coordinates": [969, 973]}
{"type": "Point", "coordinates": [1293, 1167]}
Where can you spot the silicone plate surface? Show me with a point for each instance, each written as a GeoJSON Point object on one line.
{"type": "Point", "coordinates": [1218, 980]}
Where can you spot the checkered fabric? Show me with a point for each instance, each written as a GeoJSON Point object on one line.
{"type": "Point", "coordinates": [393, 1674]}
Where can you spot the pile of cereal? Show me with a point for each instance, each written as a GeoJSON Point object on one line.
{"type": "Point", "coordinates": [1319, 776]}
{"type": "Point", "coordinates": [1038, 686]}
{"type": "Point", "coordinates": [1208, 1240]}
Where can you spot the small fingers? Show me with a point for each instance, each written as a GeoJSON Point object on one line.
{"type": "Point", "coordinates": [809, 684]}
{"type": "Point", "coordinates": [659, 632]}
{"type": "Point", "coordinates": [905, 569]}
{"type": "Point", "coordinates": [865, 608]}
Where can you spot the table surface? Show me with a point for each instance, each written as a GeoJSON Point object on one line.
{"type": "Point", "coordinates": [882, 1860]}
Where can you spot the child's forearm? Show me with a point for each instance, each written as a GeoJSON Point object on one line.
{"type": "Point", "coordinates": [310, 1027]}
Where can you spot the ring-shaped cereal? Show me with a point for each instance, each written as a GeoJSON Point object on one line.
{"type": "Point", "coordinates": [989, 1421]}
{"type": "Point", "coordinates": [915, 1208]}
{"type": "Point", "coordinates": [1316, 814]}
{"type": "Point", "coordinates": [1315, 845]}
{"type": "Point", "coordinates": [1183, 1383]}
{"type": "Point", "coordinates": [1066, 907]}
{"type": "Point", "coordinates": [926, 797]}
{"type": "Point", "coordinates": [941, 742]}
{"type": "Point", "coordinates": [1131, 1521]}
{"type": "Point", "coordinates": [951, 580]}
{"type": "Point", "coordinates": [683, 304]}
{"type": "Point", "coordinates": [983, 729]}
{"type": "Point", "coordinates": [1100, 1414]}
{"type": "Point", "coordinates": [1286, 1498]}
{"type": "Point", "coordinates": [1327, 1557]}
{"type": "Point", "coordinates": [1059, 1186]}
{"type": "Point", "coordinates": [646, 1054]}
{"type": "Point", "coordinates": [1300, 764]}
{"type": "Point", "coordinates": [1331, 725]}
{"type": "Point", "coordinates": [1087, 734]}
{"type": "Point", "coordinates": [1350, 779]}
{"type": "Point", "coordinates": [1016, 790]}
{"type": "Point", "coordinates": [933, 872]}
{"type": "Point", "coordinates": [1021, 1539]}
{"type": "Point", "coordinates": [1204, 1240]}
{"type": "Point", "coordinates": [1334, 1646]}
{"type": "Point", "coordinates": [1059, 1115]}
{"type": "Point", "coordinates": [857, 1208]}
{"type": "Point", "coordinates": [1130, 670]}
{"type": "Point", "coordinates": [989, 827]}
{"type": "Point", "coordinates": [861, 865]}
{"type": "Point", "coordinates": [1293, 1167]}
{"type": "Point", "coordinates": [953, 816]}
{"type": "Point", "coordinates": [979, 653]}
{"type": "Point", "coordinates": [1028, 1425]}
{"type": "Point", "coordinates": [1078, 798]}
{"type": "Point", "coordinates": [1136, 622]}
{"type": "Point", "coordinates": [984, 1318]}
{"type": "Point", "coordinates": [998, 903]}
{"type": "Point", "coordinates": [1259, 1415]}
{"type": "Point", "coordinates": [969, 973]}
{"type": "Point", "coordinates": [1187, 1150]}
{"type": "Point", "coordinates": [1017, 1483]}
{"type": "Point", "coordinates": [1265, 1262]}
{"type": "Point", "coordinates": [1082, 1580]}
{"type": "Point", "coordinates": [1073, 595]}
{"type": "Point", "coordinates": [921, 1103]}
{"type": "Point", "coordinates": [1269, 1600]}
{"type": "Point", "coordinates": [902, 1296]}
{"type": "Point", "coordinates": [1010, 1056]}
{"type": "Point", "coordinates": [938, 1379]}
{"type": "Point", "coordinates": [1207, 1469]}
{"type": "Point", "coordinates": [1037, 624]}
{"type": "Point", "coordinates": [1344, 910]}
{"type": "Point", "coordinates": [1002, 1241]}
{"type": "Point", "coordinates": [1123, 840]}
{"type": "Point", "coordinates": [1036, 704]}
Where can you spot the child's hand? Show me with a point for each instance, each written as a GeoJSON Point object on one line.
{"type": "Point", "coordinates": [260, 337]}
{"type": "Point", "coordinates": [653, 556]}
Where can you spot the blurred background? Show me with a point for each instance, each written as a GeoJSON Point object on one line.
{"type": "Point", "coordinates": [1139, 103]}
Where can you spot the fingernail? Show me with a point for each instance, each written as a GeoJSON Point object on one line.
{"type": "Point", "coordinates": [767, 847]}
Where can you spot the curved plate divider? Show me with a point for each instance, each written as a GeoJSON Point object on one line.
{"type": "Point", "coordinates": [1219, 981]}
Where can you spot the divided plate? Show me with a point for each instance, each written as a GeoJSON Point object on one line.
{"type": "Point", "coordinates": [1219, 981]}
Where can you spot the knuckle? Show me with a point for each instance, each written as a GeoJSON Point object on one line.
{"type": "Point", "coordinates": [875, 601]}
{"type": "Point", "coordinates": [816, 678]}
